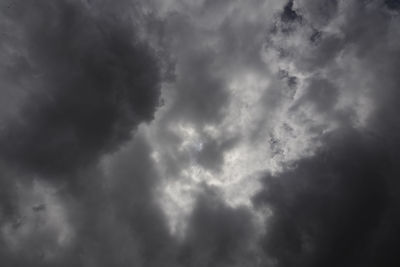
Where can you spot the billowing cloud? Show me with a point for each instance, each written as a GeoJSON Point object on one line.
{"type": "Point", "coordinates": [218, 235]}
{"type": "Point", "coordinates": [337, 207]}
{"type": "Point", "coordinates": [87, 78]}
{"type": "Point", "coordinates": [331, 209]}
{"type": "Point", "coordinates": [199, 133]}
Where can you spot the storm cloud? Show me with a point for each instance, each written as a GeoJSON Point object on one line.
{"type": "Point", "coordinates": [199, 133]}
{"type": "Point", "coordinates": [88, 81]}
{"type": "Point", "coordinates": [338, 206]}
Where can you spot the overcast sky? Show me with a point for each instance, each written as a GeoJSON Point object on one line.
{"type": "Point", "coordinates": [200, 133]}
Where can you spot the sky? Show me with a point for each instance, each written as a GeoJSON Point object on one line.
{"type": "Point", "coordinates": [199, 133]}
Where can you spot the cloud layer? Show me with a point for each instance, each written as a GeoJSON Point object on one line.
{"type": "Point", "coordinates": [199, 133]}
{"type": "Point", "coordinates": [89, 81]}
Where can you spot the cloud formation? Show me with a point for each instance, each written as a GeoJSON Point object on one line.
{"type": "Point", "coordinates": [337, 207]}
{"type": "Point", "coordinates": [199, 133]}
{"type": "Point", "coordinates": [88, 81]}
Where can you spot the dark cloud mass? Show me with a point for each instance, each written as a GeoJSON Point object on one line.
{"type": "Point", "coordinates": [90, 81]}
{"type": "Point", "coordinates": [289, 14]}
{"type": "Point", "coordinates": [334, 209]}
{"type": "Point", "coordinates": [199, 133]}
{"type": "Point", "coordinates": [339, 206]}
{"type": "Point", "coordinates": [218, 235]}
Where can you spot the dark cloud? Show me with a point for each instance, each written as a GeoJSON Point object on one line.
{"type": "Point", "coordinates": [339, 207]}
{"type": "Point", "coordinates": [320, 93]}
{"type": "Point", "coordinates": [196, 98]}
{"type": "Point", "coordinates": [292, 24]}
{"type": "Point", "coordinates": [393, 4]}
{"type": "Point", "coordinates": [119, 221]}
{"type": "Point", "coordinates": [328, 48]}
{"type": "Point", "coordinates": [79, 77]}
{"type": "Point", "coordinates": [218, 235]}
{"type": "Point", "coordinates": [200, 97]}
{"type": "Point", "coordinates": [288, 14]}
{"type": "Point", "coordinates": [210, 47]}
{"type": "Point", "coordinates": [329, 209]}
{"type": "Point", "coordinates": [114, 218]}
{"type": "Point", "coordinates": [318, 12]}
{"type": "Point", "coordinates": [211, 155]}
{"type": "Point", "coordinates": [91, 81]}
{"type": "Point", "coordinates": [211, 42]}
{"type": "Point", "coordinates": [85, 81]}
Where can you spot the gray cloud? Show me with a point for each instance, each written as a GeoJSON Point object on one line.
{"type": "Point", "coordinates": [119, 221]}
{"type": "Point", "coordinates": [337, 207]}
{"type": "Point", "coordinates": [330, 208]}
{"type": "Point", "coordinates": [90, 81]}
{"type": "Point", "coordinates": [199, 133]}
{"type": "Point", "coordinates": [218, 235]}
{"type": "Point", "coordinates": [211, 154]}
